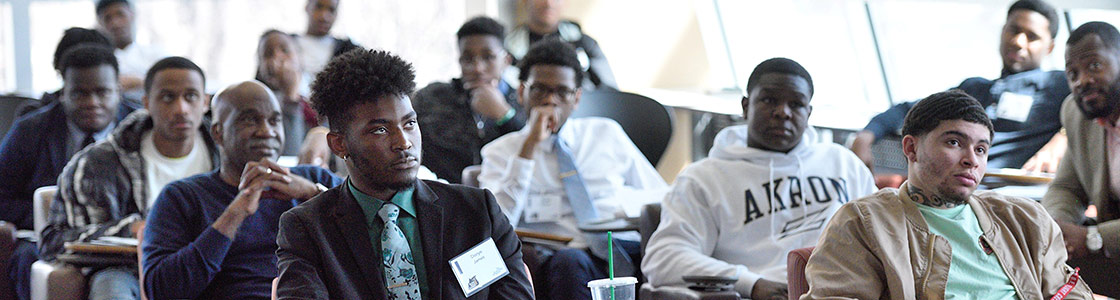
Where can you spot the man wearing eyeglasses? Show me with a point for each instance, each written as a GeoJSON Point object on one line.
{"type": "Point", "coordinates": [461, 116]}
{"type": "Point", "coordinates": [557, 173]}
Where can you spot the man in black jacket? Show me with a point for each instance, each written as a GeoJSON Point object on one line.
{"type": "Point", "coordinates": [329, 247]}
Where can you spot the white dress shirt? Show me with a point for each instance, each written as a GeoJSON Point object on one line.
{"type": "Point", "coordinates": [531, 193]}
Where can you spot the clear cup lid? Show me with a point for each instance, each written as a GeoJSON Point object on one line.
{"type": "Point", "coordinates": [617, 281]}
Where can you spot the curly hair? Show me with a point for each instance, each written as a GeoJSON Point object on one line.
{"type": "Point", "coordinates": [356, 77]}
{"type": "Point", "coordinates": [550, 51]}
{"type": "Point", "coordinates": [950, 105]}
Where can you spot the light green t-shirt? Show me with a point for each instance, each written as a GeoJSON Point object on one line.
{"type": "Point", "coordinates": [973, 274]}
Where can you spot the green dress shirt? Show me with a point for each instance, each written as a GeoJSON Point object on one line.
{"type": "Point", "coordinates": [406, 221]}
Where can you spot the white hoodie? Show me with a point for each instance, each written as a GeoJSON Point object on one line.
{"type": "Point", "coordinates": [717, 219]}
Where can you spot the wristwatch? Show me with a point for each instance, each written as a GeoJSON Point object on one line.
{"type": "Point", "coordinates": [1093, 240]}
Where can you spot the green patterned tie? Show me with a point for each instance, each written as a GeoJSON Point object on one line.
{"type": "Point", "coordinates": [400, 270]}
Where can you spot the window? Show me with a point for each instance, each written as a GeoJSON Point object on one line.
{"type": "Point", "coordinates": [221, 35]}
{"type": "Point", "coordinates": [7, 62]}
{"type": "Point", "coordinates": [831, 39]}
{"type": "Point", "coordinates": [1077, 17]}
{"type": "Point", "coordinates": [48, 21]}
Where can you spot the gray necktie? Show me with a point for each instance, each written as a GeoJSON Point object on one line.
{"type": "Point", "coordinates": [400, 270]}
{"type": "Point", "coordinates": [584, 210]}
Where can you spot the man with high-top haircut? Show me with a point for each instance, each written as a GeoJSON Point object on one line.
{"type": "Point", "coordinates": [936, 237]}
{"type": "Point", "coordinates": [384, 234]}
{"type": "Point", "coordinates": [1090, 171]}
{"type": "Point", "coordinates": [107, 189]}
{"type": "Point", "coordinates": [1023, 103]}
{"type": "Point", "coordinates": [213, 235]}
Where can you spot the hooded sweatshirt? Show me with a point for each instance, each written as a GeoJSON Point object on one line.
{"type": "Point", "coordinates": [739, 212]}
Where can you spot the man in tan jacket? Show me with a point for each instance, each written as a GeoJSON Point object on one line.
{"type": "Point", "coordinates": [1088, 175]}
{"type": "Point", "coordinates": [936, 237]}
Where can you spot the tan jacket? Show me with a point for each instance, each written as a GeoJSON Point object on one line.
{"type": "Point", "coordinates": [879, 247]}
{"type": "Point", "coordinates": [1083, 178]}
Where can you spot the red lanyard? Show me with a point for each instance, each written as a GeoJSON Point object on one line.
{"type": "Point", "coordinates": [1064, 291]}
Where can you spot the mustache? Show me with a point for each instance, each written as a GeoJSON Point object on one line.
{"type": "Point", "coordinates": [1090, 90]}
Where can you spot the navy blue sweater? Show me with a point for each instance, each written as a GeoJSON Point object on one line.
{"type": "Point", "coordinates": [186, 258]}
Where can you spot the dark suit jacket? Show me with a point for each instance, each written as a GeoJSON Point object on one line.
{"type": "Point", "coordinates": [32, 155]}
{"type": "Point", "coordinates": [325, 252]}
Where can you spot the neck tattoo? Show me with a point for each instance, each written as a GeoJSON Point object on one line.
{"type": "Point", "coordinates": [922, 197]}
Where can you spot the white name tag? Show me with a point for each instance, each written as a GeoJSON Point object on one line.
{"type": "Point", "coordinates": [543, 208]}
{"type": "Point", "coordinates": [478, 267]}
{"type": "Point", "coordinates": [1014, 107]}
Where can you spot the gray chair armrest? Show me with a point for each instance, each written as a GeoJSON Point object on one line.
{"type": "Point", "coordinates": [647, 291]}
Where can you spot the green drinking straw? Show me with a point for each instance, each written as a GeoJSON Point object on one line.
{"type": "Point", "coordinates": [610, 261]}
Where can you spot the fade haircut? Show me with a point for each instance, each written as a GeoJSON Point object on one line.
{"type": "Point", "coordinates": [1040, 7]}
{"type": "Point", "coordinates": [551, 51]}
{"type": "Point", "coordinates": [173, 62]}
{"type": "Point", "coordinates": [75, 36]}
{"type": "Point", "coordinates": [779, 65]}
{"type": "Point", "coordinates": [88, 56]}
{"type": "Point", "coordinates": [103, 4]}
{"type": "Point", "coordinates": [944, 106]}
{"type": "Point", "coordinates": [1108, 34]}
{"type": "Point", "coordinates": [356, 77]}
{"type": "Point", "coordinates": [482, 26]}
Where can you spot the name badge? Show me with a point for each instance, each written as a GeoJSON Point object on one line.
{"type": "Point", "coordinates": [543, 208]}
{"type": "Point", "coordinates": [1014, 107]}
{"type": "Point", "coordinates": [479, 267]}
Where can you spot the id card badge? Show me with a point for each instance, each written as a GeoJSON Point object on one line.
{"type": "Point", "coordinates": [478, 267]}
{"type": "Point", "coordinates": [543, 208]}
{"type": "Point", "coordinates": [1014, 107]}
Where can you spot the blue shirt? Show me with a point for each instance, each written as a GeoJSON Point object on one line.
{"type": "Point", "coordinates": [185, 257]}
{"type": "Point", "coordinates": [1015, 141]}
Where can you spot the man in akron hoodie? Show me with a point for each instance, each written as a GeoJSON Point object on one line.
{"type": "Point", "coordinates": [766, 188]}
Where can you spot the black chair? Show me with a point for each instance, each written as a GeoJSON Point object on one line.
{"type": "Point", "coordinates": [11, 107]}
{"type": "Point", "coordinates": [648, 123]}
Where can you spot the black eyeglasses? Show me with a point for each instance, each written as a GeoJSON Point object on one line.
{"type": "Point", "coordinates": [540, 92]}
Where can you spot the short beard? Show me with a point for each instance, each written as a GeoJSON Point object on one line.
{"type": "Point", "coordinates": [373, 179]}
{"type": "Point", "coordinates": [1112, 103]}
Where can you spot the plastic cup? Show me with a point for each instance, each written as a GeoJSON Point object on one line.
{"type": "Point", "coordinates": [623, 288]}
